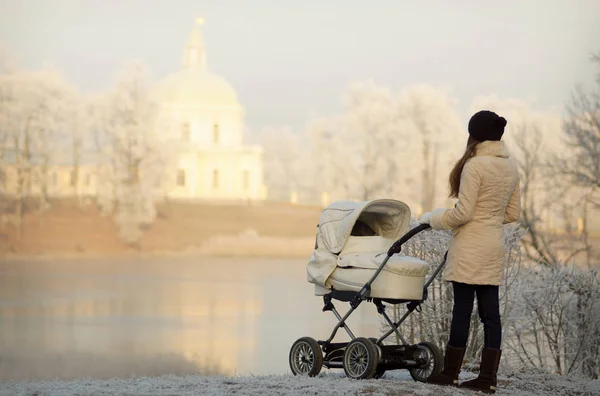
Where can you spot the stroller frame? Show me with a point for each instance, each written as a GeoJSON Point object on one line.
{"type": "Point", "coordinates": [423, 360]}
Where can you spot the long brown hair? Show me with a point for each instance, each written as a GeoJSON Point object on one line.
{"type": "Point", "coordinates": [458, 168]}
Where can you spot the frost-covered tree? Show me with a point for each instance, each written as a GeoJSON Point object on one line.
{"type": "Point", "coordinates": [355, 154]}
{"type": "Point", "coordinates": [581, 164]}
{"type": "Point", "coordinates": [6, 99]}
{"type": "Point", "coordinates": [386, 145]}
{"type": "Point", "coordinates": [33, 117]}
{"type": "Point", "coordinates": [129, 138]}
{"type": "Point", "coordinates": [435, 140]}
{"type": "Point", "coordinates": [282, 161]}
{"type": "Point", "coordinates": [81, 119]}
{"type": "Point", "coordinates": [54, 108]}
{"type": "Point", "coordinates": [326, 140]}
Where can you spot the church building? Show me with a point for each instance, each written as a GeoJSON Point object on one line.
{"type": "Point", "coordinates": [204, 113]}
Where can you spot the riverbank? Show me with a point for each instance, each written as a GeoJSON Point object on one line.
{"type": "Point", "coordinates": [394, 384]}
{"type": "Point", "coordinates": [67, 229]}
{"type": "Point", "coordinates": [246, 244]}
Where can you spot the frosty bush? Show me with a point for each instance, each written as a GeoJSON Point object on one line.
{"type": "Point", "coordinates": [557, 320]}
{"type": "Point", "coordinates": [550, 315]}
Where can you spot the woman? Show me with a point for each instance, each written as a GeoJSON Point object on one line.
{"type": "Point", "coordinates": [486, 182]}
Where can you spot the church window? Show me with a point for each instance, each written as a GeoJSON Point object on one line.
{"type": "Point", "coordinates": [246, 180]}
{"type": "Point", "coordinates": [87, 179]}
{"type": "Point", "coordinates": [215, 179]}
{"type": "Point", "coordinates": [73, 178]}
{"type": "Point", "coordinates": [55, 178]}
{"type": "Point", "coordinates": [216, 134]}
{"type": "Point", "coordinates": [181, 177]}
{"type": "Point", "coordinates": [185, 132]}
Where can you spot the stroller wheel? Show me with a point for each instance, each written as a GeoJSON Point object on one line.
{"type": "Point", "coordinates": [380, 372]}
{"type": "Point", "coordinates": [360, 359]}
{"type": "Point", "coordinates": [434, 362]}
{"type": "Point", "coordinates": [306, 357]}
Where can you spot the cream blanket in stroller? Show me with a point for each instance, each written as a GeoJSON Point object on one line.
{"type": "Point", "coordinates": [353, 239]}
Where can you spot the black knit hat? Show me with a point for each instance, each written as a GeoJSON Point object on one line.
{"type": "Point", "coordinates": [486, 125]}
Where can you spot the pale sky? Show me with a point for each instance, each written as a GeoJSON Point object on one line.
{"type": "Point", "coordinates": [289, 60]}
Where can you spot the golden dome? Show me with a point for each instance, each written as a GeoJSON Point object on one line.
{"type": "Point", "coordinates": [194, 84]}
{"type": "Point", "coordinates": [197, 87]}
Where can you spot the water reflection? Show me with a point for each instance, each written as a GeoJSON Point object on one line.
{"type": "Point", "coordinates": [105, 318]}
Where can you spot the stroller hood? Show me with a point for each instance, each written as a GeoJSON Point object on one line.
{"type": "Point", "coordinates": [387, 218]}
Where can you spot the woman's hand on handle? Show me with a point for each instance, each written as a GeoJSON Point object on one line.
{"type": "Point", "coordinates": [425, 219]}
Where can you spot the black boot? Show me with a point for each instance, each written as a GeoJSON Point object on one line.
{"type": "Point", "coordinates": [487, 380]}
{"type": "Point", "coordinates": [452, 363]}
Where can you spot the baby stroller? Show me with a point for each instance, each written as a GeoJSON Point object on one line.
{"type": "Point", "coordinates": [356, 259]}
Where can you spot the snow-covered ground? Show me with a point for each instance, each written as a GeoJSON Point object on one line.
{"type": "Point", "coordinates": [396, 384]}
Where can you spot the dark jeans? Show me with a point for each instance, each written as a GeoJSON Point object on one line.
{"type": "Point", "coordinates": [489, 313]}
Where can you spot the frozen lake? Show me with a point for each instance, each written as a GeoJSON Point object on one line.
{"type": "Point", "coordinates": [103, 318]}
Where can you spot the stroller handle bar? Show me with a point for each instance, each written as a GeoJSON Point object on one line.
{"type": "Point", "coordinates": [397, 246]}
